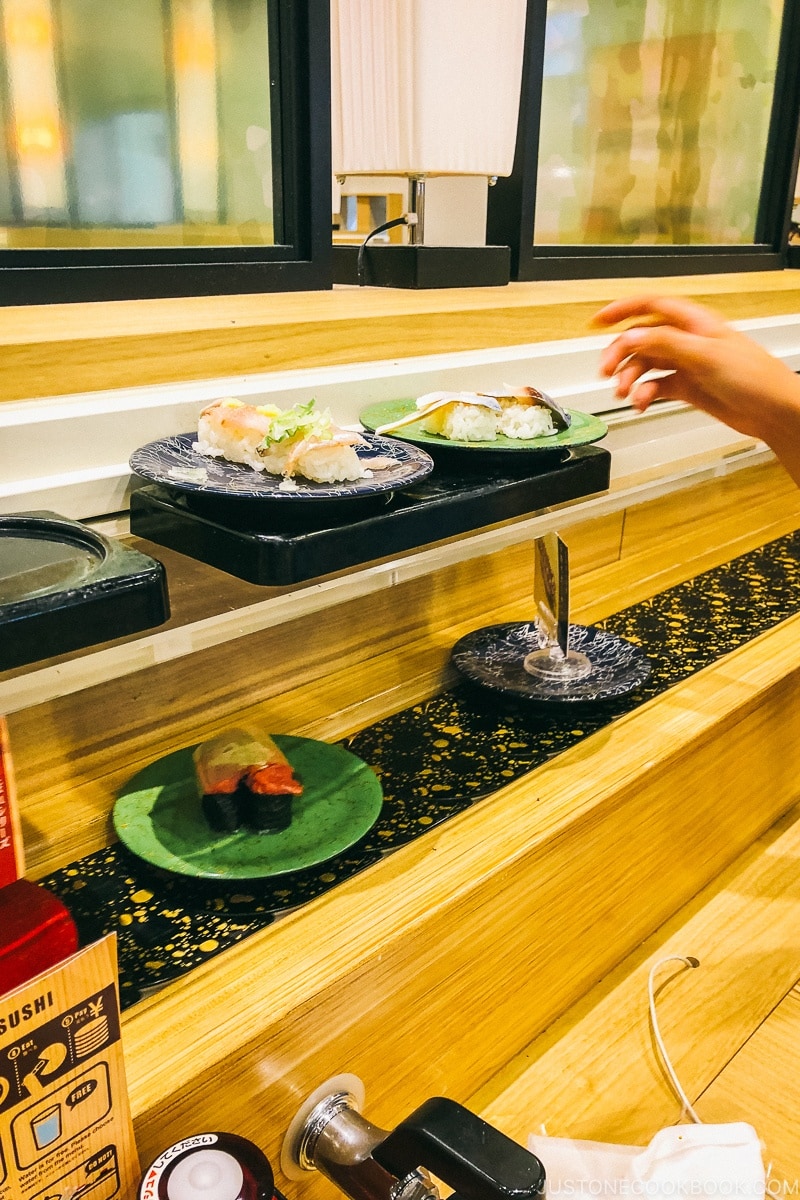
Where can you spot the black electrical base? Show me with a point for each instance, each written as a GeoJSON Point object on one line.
{"type": "Point", "coordinates": [424, 266]}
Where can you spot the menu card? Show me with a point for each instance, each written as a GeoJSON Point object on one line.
{"type": "Point", "coordinates": [12, 863]}
{"type": "Point", "coordinates": [65, 1124]}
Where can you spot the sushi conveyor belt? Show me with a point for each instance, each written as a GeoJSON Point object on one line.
{"type": "Point", "coordinates": [434, 759]}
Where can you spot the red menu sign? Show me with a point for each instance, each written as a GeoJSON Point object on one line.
{"type": "Point", "coordinates": [12, 864]}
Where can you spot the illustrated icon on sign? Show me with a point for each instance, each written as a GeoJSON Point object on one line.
{"type": "Point", "coordinates": [46, 1126]}
{"type": "Point", "coordinates": [49, 1060]}
{"type": "Point", "coordinates": [91, 1037]}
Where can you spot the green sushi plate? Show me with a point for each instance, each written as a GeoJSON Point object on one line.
{"type": "Point", "coordinates": [583, 430]}
{"type": "Point", "coordinates": [158, 816]}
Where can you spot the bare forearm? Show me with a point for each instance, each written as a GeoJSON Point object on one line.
{"type": "Point", "coordinates": [781, 429]}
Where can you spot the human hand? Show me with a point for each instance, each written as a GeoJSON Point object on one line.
{"type": "Point", "coordinates": [714, 367]}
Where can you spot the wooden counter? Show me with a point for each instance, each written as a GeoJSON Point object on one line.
{"type": "Point", "coordinates": [59, 349]}
{"type": "Point", "coordinates": [443, 968]}
{"type": "Point", "coordinates": [500, 958]}
{"type": "Point", "coordinates": [730, 1026]}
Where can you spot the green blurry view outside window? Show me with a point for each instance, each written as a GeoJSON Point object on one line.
{"type": "Point", "coordinates": [143, 123]}
{"type": "Point", "coordinates": [655, 116]}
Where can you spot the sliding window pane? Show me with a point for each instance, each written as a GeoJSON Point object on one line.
{"type": "Point", "coordinates": [115, 103]}
{"type": "Point", "coordinates": [655, 115]}
{"type": "Point", "coordinates": [245, 122]}
{"type": "Point", "coordinates": [35, 161]}
{"type": "Point", "coordinates": [8, 180]}
{"type": "Point", "coordinates": [140, 124]}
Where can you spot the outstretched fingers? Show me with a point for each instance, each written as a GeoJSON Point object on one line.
{"type": "Point", "coordinates": [660, 347]}
{"type": "Point", "coordinates": [683, 314]}
{"type": "Point", "coordinates": [643, 395]}
{"type": "Point", "coordinates": [629, 375]}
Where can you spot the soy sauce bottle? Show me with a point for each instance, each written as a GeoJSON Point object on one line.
{"type": "Point", "coordinates": [209, 1166]}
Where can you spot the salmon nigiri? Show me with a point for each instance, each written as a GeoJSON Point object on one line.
{"type": "Point", "coordinates": [244, 778]}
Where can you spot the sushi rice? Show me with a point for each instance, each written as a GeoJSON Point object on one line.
{"type": "Point", "coordinates": [465, 422]}
{"type": "Point", "coordinates": [330, 462]}
{"type": "Point", "coordinates": [525, 420]}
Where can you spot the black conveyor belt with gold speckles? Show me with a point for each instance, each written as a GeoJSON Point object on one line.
{"type": "Point", "coordinates": [435, 759]}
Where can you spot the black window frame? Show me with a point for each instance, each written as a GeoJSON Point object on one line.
{"type": "Point", "coordinates": [512, 201]}
{"type": "Point", "coordinates": [300, 98]}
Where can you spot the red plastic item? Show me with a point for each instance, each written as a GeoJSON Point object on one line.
{"type": "Point", "coordinates": [12, 859]}
{"type": "Point", "coordinates": [36, 932]}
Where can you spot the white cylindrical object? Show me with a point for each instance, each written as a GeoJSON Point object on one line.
{"type": "Point", "coordinates": [206, 1175]}
{"type": "Point", "coordinates": [425, 87]}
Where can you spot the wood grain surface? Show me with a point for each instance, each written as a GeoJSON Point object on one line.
{"type": "Point", "coordinates": [443, 968]}
{"type": "Point", "coordinates": [760, 1081]}
{"type": "Point", "coordinates": [52, 350]}
{"type": "Point", "coordinates": [327, 675]}
{"type": "Point", "coordinates": [731, 1035]}
{"type": "Point", "coordinates": [428, 972]}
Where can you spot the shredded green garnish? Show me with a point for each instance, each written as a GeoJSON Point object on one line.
{"type": "Point", "coordinates": [302, 419]}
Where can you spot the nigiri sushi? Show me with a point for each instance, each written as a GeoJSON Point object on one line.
{"type": "Point", "coordinates": [527, 412]}
{"type": "Point", "coordinates": [522, 413]}
{"type": "Point", "coordinates": [457, 416]}
{"type": "Point", "coordinates": [244, 778]}
{"type": "Point", "coordinates": [234, 431]}
{"type": "Point", "coordinates": [290, 442]}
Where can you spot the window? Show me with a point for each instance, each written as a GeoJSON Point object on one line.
{"type": "Point", "coordinates": [178, 147]}
{"type": "Point", "coordinates": [656, 136]}
{"type": "Point", "coordinates": [183, 143]}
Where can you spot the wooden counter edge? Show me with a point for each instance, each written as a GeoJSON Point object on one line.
{"type": "Point", "coordinates": [54, 350]}
{"type": "Point", "coordinates": [45, 323]}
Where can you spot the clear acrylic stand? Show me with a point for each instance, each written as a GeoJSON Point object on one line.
{"type": "Point", "coordinates": [553, 662]}
{"type": "Point", "coordinates": [547, 660]}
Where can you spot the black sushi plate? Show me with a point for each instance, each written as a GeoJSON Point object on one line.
{"type": "Point", "coordinates": [270, 543]}
{"type": "Point", "coordinates": [63, 587]}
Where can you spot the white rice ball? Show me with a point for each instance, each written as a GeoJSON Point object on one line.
{"type": "Point", "coordinates": [463, 423]}
{"type": "Point", "coordinates": [525, 421]}
{"type": "Point", "coordinates": [330, 464]}
{"type": "Point", "coordinates": [217, 444]}
{"type": "Point", "coordinates": [273, 458]}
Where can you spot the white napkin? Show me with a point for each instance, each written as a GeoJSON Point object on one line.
{"type": "Point", "coordinates": [683, 1160]}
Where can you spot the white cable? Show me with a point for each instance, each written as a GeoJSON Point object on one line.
{"type": "Point", "coordinates": [689, 961]}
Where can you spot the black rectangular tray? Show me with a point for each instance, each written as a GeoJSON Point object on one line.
{"type": "Point", "coordinates": [255, 541]}
{"type": "Point", "coordinates": [64, 586]}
